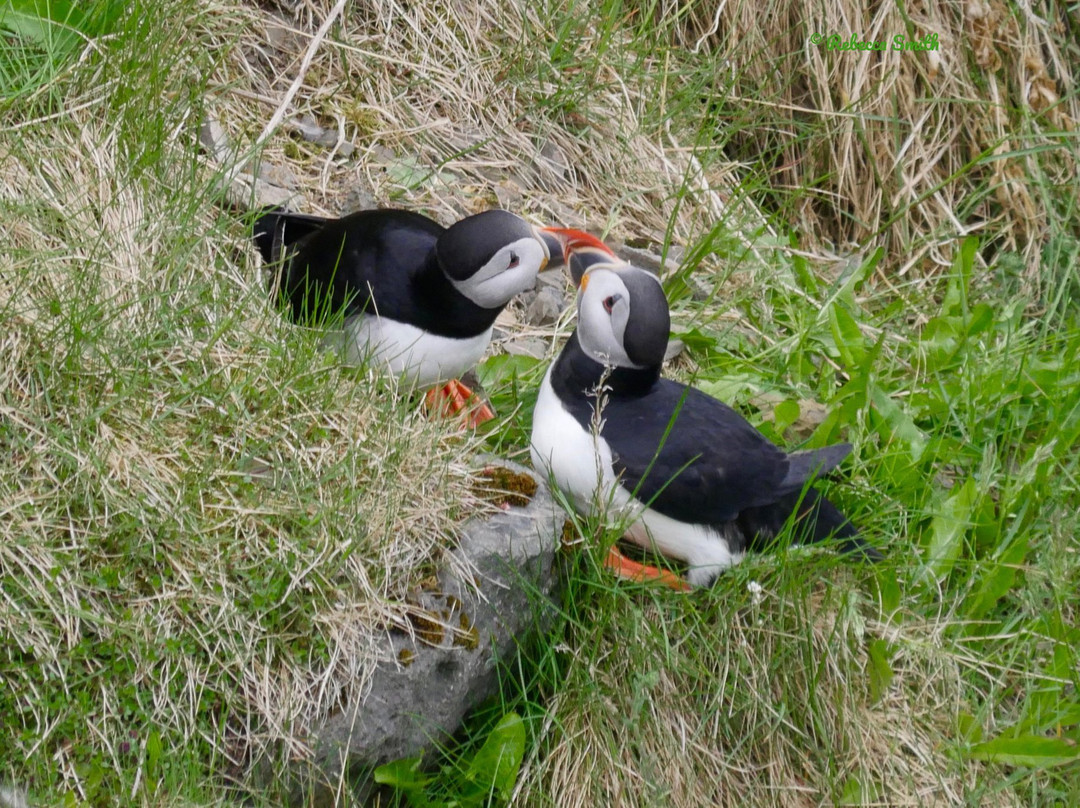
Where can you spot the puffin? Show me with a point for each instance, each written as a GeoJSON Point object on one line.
{"type": "Point", "coordinates": [685, 473]}
{"type": "Point", "coordinates": [400, 288]}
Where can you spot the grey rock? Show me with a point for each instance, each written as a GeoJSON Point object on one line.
{"type": "Point", "coordinates": [13, 797]}
{"type": "Point", "coordinates": [527, 346]}
{"type": "Point", "coordinates": [360, 197]}
{"type": "Point", "coordinates": [554, 159]}
{"type": "Point", "coordinates": [283, 38]}
{"type": "Point", "coordinates": [699, 290]}
{"type": "Point", "coordinates": [466, 137]}
{"type": "Point", "coordinates": [213, 138]}
{"type": "Point", "coordinates": [472, 381]}
{"type": "Point", "coordinates": [459, 209]}
{"type": "Point", "coordinates": [674, 348]}
{"type": "Point", "coordinates": [554, 278]}
{"type": "Point", "coordinates": [247, 191]}
{"type": "Point", "coordinates": [281, 176]}
{"type": "Point", "coordinates": [430, 680]}
{"type": "Point", "coordinates": [310, 130]}
{"type": "Point", "coordinates": [650, 259]}
{"type": "Point", "coordinates": [520, 178]}
{"type": "Point", "coordinates": [545, 307]}
{"type": "Point", "coordinates": [550, 210]}
{"type": "Point", "coordinates": [509, 195]}
{"type": "Point", "coordinates": [381, 154]}
{"type": "Point", "coordinates": [492, 174]}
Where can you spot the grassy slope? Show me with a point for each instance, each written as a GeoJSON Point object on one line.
{"type": "Point", "coordinates": [146, 388]}
{"type": "Point", "coordinates": [207, 522]}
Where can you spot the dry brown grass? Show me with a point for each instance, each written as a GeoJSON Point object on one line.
{"type": "Point", "coordinates": [201, 511]}
{"type": "Point", "coordinates": [703, 714]}
{"type": "Point", "coordinates": [429, 86]}
{"type": "Point", "coordinates": [907, 150]}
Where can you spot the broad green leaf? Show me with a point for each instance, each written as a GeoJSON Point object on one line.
{"type": "Point", "coordinates": [404, 774]}
{"type": "Point", "coordinates": [27, 26]}
{"type": "Point", "coordinates": [847, 336]}
{"type": "Point", "coordinates": [92, 776]}
{"type": "Point", "coordinates": [881, 672]}
{"type": "Point", "coordinates": [785, 414]}
{"type": "Point", "coordinates": [697, 342]}
{"type": "Point", "coordinates": [987, 528]}
{"type": "Point", "coordinates": [948, 527]}
{"type": "Point", "coordinates": [153, 752]}
{"type": "Point", "coordinates": [940, 340]}
{"type": "Point", "coordinates": [499, 369]}
{"type": "Point", "coordinates": [1033, 751]}
{"type": "Point", "coordinates": [1067, 715]}
{"type": "Point", "coordinates": [853, 793]}
{"type": "Point", "coordinates": [980, 320]}
{"type": "Point", "coordinates": [58, 23]}
{"type": "Point", "coordinates": [853, 275]}
{"type": "Point", "coordinates": [956, 296]}
{"type": "Point", "coordinates": [1053, 704]}
{"type": "Point", "coordinates": [408, 173]}
{"type": "Point", "coordinates": [827, 431]}
{"type": "Point", "coordinates": [498, 761]}
{"type": "Point", "coordinates": [730, 388]}
{"type": "Point", "coordinates": [970, 729]}
{"type": "Point", "coordinates": [996, 580]}
{"type": "Point", "coordinates": [900, 424]}
{"type": "Point", "coordinates": [803, 274]}
{"type": "Point", "coordinates": [888, 592]}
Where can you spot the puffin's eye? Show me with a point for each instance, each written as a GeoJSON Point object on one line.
{"type": "Point", "coordinates": [514, 260]}
{"type": "Point", "coordinates": [609, 303]}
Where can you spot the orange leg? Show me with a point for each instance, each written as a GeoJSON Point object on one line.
{"type": "Point", "coordinates": [632, 570]}
{"type": "Point", "coordinates": [454, 397]}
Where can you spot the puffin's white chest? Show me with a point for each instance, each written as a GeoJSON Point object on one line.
{"type": "Point", "coordinates": [580, 464]}
{"type": "Point", "coordinates": [578, 461]}
{"type": "Point", "coordinates": [419, 357]}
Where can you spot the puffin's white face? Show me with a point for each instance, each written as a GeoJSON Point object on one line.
{"type": "Point", "coordinates": [603, 314]}
{"type": "Point", "coordinates": [623, 318]}
{"type": "Point", "coordinates": [512, 270]}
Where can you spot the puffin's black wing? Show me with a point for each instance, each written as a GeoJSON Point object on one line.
{"type": "Point", "coordinates": [711, 465]}
{"type": "Point", "coordinates": [335, 266]}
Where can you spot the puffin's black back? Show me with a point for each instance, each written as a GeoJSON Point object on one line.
{"type": "Point", "coordinates": [373, 260]}
{"type": "Point", "coordinates": [694, 459]}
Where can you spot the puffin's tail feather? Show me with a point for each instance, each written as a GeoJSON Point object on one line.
{"type": "Point", "coordinates": [808, 465]}
{"type": "Point", "coordinates": [815, 520]}
{"type": "Point", "coordinates": [264, 230]}
{"type": "Point", "coordinates": [277, 228]}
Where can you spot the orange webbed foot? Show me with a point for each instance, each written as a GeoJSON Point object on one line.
{"type": "Point", "coordinates": [632, 570]}
{"type": "Point", "coordinates": [453, 398]}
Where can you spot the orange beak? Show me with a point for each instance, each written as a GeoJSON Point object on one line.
{"type": "Point", "coordinates": [579, 250]}
{"type": "Point", "coordinates": [571, 240]}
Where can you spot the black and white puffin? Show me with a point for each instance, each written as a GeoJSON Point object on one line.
{"type": "Point", "coordinates": [690, 477]}
{"type": "Point", "coordinates": [420, 298]}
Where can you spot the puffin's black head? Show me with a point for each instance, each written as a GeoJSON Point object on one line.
{"type": "Point", "coordinates": [623, 317]}
{"type": "Point", "coordinates": [492, 256]}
